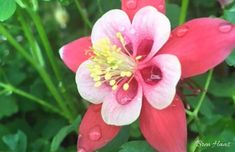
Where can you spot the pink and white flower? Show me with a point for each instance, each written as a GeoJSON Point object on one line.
{"type": "Point", "coordinates": [130, 66]}
{"type": "Point", "coordinates": [125, 66]}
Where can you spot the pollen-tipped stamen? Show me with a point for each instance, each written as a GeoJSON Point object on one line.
{"type": "Point", "coordinates": [110, 65]}
{"type": "Point", "coordinates": [122, 40]}
{"type": "Point", "coordinates": [125, 86]}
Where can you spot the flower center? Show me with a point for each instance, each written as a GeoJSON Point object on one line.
{"type": "Point", "coordinates": [111, 64]}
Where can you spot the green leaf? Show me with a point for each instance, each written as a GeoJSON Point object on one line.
{"type": "Point", "coordinates": [99, 7]}
{"type": "Point", "coordinates": [207, 3]}
{"type": "Point", "coordinates": [229, 14]}
{"type": "Point", "coordinates": [21, 124]}
{"type": "Point", "coordinates": [207, 108]}
{"type": "Point", "coordinates": [15, 76]}
{"type": "Point", "coordinates": [135, 130]}
{"type": "Point", "coordinates": [231, 58]}
{"type": "Point", "coordinates": [223, 86]}
{"type": "Point", "coordinates": [20, 3]}
{"type": "Point", "coordinates": [219, 138]}
{"type": "Point", "coordinates": [136, 146]}
{"type": "Point", "coordinates": [40, 145]}
{"type": "Point", "coordinates": [223, 106]}
{"type": "Point", "coordinates": [4, 130]}
{"type": "Point", "coordinates": [173, 13]}
{"type": "Point", "coordinates": [63, 133]}
{"type": "Point", "coordinates": [7, 9]}
{"type": "Point", "coordinates": [48, 132]}
{"type": "Point", "coordinates": [192, 146]}
{"type": "Point", "coordinates": [108, 5]}
{"type": "Point", "coordinates": [65, 2]}
{"type": "Point", "coordinates": [16, 142]}
{"type": "Point", "coordinates": [121, 138]}
{"type": "Point", "coordinates": [8, 106]}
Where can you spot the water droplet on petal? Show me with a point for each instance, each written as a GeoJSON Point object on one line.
{"type": "Point", "coordinates": [155, 77]}
{"type": "Point", "coordinates": [160, 7]}
{"type": "Point", "coordinates": [225, 27]}
{"type": "Point", "coordinates": [81, 150]}
{"type": "Point", "coordinates": [180, 32]}
{"type": "Point", "coordinates": [95, 133]}
{"type": "Point", "coordinates": [131, 4]}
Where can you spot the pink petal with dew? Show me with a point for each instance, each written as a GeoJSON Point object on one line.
{"type": "Point", "coordinates": [132, 6]}
{"type": "Point", "coordinates": [74, 53]}
{"type": "Point", "coordinates": [149, 24]}
{"type": "Point", "coordinates": [86, 85]}
{"type": "Point", "coordinates": [109, 25]}
{"type": "Point", "coordinates": [123, 107]}
{"type": "Point", "coordinates": [165, 130]}
{"type": "Point", "coordinates": [94, 133]}
{"type": "Point", "coordinates": [161, 94]}
{"type": "Point", "coordinates": [201, 44]}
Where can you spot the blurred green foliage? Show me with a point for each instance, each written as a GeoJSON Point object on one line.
{"type": "Point", "coordinates": [31, 94]}
{"type": "Point", "coordinates": [7, 9]}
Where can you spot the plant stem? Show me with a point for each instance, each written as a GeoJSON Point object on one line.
{"type": "Point", "coordinates": [194, 114]}
{"type": "Point", "coordinates": [189, 112]}
{"type": "Point", "coordinates": [183, 12]}
{"type": "Point", "coordinates": [45, 41]}
{"type": "Point", "coordinates": [99, 7]}
{"type": "Point", "coordinates": [233, 99]}
{"type": "Point", "coordinates": [48, 82]}
{"type": "Point", "coordinates": [41, 102]}
{"type": "Point", "coordinates": [208, 80]}
{"type": "Point", "coordinates": [36, 52]}
{"type": "Point", "coordinates": [42, 33]}
{"type": "Point", "coordinates": [83, 15]}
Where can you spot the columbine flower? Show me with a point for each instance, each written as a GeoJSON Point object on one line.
{"type": "Point", "coordinates": [130, 67]}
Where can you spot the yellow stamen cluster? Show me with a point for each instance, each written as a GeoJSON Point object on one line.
{"type": "Point", "coordinates": [110, 65]}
